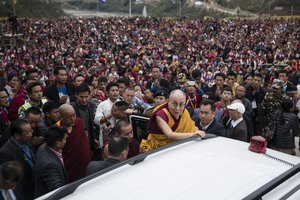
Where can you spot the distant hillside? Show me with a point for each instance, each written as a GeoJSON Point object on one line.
{"type": "Point", "coordinates": [157, 8]}
{"type": "Point", "coordinates": [215, 8]}
{"type": "Point", "coordinates": [273, 7]}
{"type": "Point", "coordinates": [31, 8]}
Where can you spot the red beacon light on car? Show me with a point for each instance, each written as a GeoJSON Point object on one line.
{"type": "Point", "coordinates": [258, 144]}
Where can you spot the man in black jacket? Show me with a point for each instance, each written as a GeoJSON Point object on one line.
{"type": "Point", "coordinates": [61, 91]}
{"type": "Point", "coordinates": [118, 148]}
{"type": "Point", "coordinates": [256, 95]}
{"type": "Point", "coordinates": [85, 110]}
{"type": "Point", "coordinates": [206, 118]}
{"type": "Point", "coordinates": [216, 89]}
{"type": "Point", "coordinates": [18, 148]}
{"type": "Point", "coordinates": [238, 128]}
{"type": "Point", "coordinates": [50, 173]}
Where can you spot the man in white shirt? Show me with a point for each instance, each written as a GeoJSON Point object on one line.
{"type": "Point", "coordinates": [103, 116]}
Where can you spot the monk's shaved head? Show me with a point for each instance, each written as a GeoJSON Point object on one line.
{"type": "Point", "coordinates": [177, 93]}
{"type": "Point", "coordinates": [68, 115]}
{"type": "Point", "coordinates": [65, 108]}
{"type": "Point", "coordinates": [176, 103]}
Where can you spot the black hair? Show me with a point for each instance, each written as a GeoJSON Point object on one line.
{"type": "Point", "coordinates": [111, 84]}
{"type": "Point", "coordinates": [57, 69]}
{"type": "Point", "coordinates": [90, 79]}
{"type": "Point", "coordinates": [283, 72]}
{"type": "Point", "coordinates": [286, 106]}
{"type": "Point", "coordinates": [258, 75]}
{"type": "Point", "coordinates": [196, 73]}
{"type": "Point", "coordinates": [117, 144]}
{"type": "Point", "coordinates": [83, 87]}
{"type": "Point", "coordinates": [12, 171]}
{"type": "Point", "coordinates": [164, 83]}
{"type": "Point", "coordinates": [78, 75]}
{"type": "Point", "coordinates": [123, 80]}
{"type": "Point", "coordinates": [227, 88]}
{"type": "Point", "coordinates": [32, 85]}
{"type": "Point", "coordinates": [122, 105]}
{"type": "Point", "coordinates": [25, 80]}
{"type": "Point", "coordinates": [232, 73]}
{"type": "Point", "coordinates": [248, 75]}
{"type": "Point", "coordinates": [130, 88]}
{"type": "Point", "coordinates": [10, 76]}
{"type": "Point", "coordinates": [209, 102]}
{"type": "Point", "coordinates": [102, 79]}
{"type": "Point", "coordinates": [16, 126]}
{"type": "Point", "coordinates": [31, 71]}
{"type": "Point", "coordinates": [54, 134]}
{"type": "Point", "coordinates": [120, 124]}
{"type": "Point", "coordinates": [220, 74]}
{"type": "Point", "coordinates": [49, 106]}
{"type": "Point", "coordinates": [33, 110]}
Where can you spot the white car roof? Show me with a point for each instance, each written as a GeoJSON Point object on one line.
{"type": "Point", "coordinates": [216, 168]}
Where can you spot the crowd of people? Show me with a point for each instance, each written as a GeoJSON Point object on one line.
{"type": "Point", "coordinates": [68, 86]}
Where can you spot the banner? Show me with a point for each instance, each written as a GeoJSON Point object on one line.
{"type": "Point", "coordinates": [102, 1]}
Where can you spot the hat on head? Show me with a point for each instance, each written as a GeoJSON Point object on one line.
{"type": "Point", "coordinates": [277, 83]}
{"type": "Point", "coordinates": [237, 106]}
{"type": "Point", "coordinates": [161, 93]}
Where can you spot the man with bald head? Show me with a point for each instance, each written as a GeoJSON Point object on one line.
{"type": "Point", "coordinates": [76, 152]}
{"type": "Point", "coordinates": [170, 121]}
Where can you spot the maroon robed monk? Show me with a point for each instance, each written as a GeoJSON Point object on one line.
{"type": "Point", "coordinates": [76, 152]}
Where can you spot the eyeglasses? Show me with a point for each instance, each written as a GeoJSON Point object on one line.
{"type": "Point", "coordinates": [175, 104]}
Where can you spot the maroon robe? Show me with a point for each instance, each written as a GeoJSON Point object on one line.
{"type": "Point", "coordinates": [134, 148]}
{"type": "Point", "coordinates": [14, 106]}
{"type": "Point", "coordinates": [76, 152]}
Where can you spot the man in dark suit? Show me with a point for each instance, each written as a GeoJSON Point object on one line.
{"type": "Point", "coordinates": [238, 128]}
{"type": "Point", "coordinates": [118, 148]}
{"type": "Point", "coordinates": [50, 173]}
{"type": "Point", "coordinates": [18, 148]}
{"type": "Point", "coordinates": [61, 91]}
{"type": "Point", "coordinates": [11, 173]}
{"type": "Point", "coordinates": [205, 119]}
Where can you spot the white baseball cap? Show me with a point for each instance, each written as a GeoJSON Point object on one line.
{"type": "Point", "coordinates": [237, 106]}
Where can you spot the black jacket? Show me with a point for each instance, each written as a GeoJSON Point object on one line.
{"type": "Point", "coordinates": [239, 132]}
{"type": "Point", "coordinates": [96, 166]}
{"type": "Point", "coordinates": [11, 151]}
{"type": "Point", "coordinates": [215, 128]}
{"type": "Point", "coordinates": [51, 92]}
{"type": "Point", "coordinates": [258, 95]}
{"type": "Point", "coordinates": [50, 174]}
{"type": "Point", "coordinates": [284, 135]}
{"type": "Point", "coordinates": [92, 128]}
